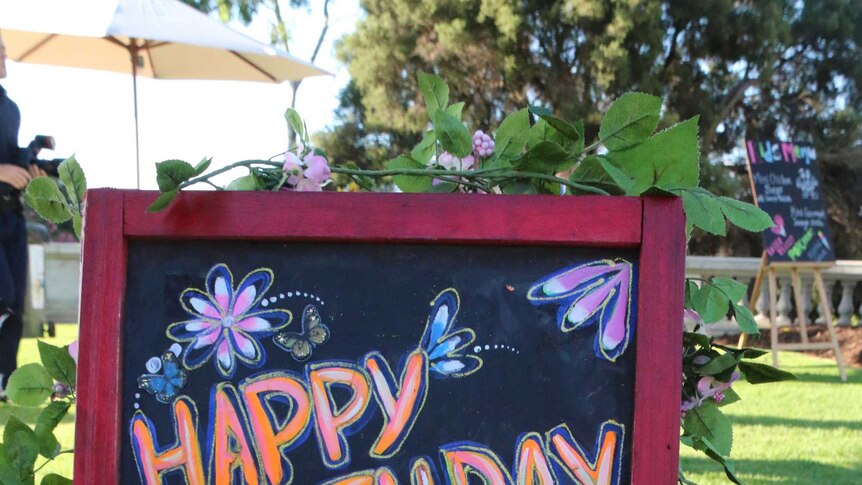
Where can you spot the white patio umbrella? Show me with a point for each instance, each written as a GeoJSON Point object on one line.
{"type": "Point", "coordinates": [163, 39]}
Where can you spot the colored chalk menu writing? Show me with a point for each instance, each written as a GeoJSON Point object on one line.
{"type": "Point", "coordinates": [786, 184]}
{"type": "Point", "coordinates": [371, 364]}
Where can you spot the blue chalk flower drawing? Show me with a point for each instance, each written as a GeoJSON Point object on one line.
{"type": "Point", "coordinates": [444, 345]}
{"type": "Point", "coordinates": [227, 321]}
{"type": "Point", "coordinates": [167, 385]}
{"type": "Point", "coordinates": [596, 292]}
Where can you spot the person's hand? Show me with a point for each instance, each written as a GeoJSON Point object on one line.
{"type": "Point", "coordinates": [14, 175]}
{"type": "Point", "coordinates": [35, 171]}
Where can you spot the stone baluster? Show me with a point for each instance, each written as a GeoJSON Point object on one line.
{"type": "Point", "coordinates": [806, 297]}
{"type": "Point", "coordinates": [762, 307]}
{"type": "Point", "coordinates": [784, 303]}
{"type": "Point", "coordinates": [845, 307]}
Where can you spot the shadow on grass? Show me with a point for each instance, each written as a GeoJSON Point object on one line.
{"type": "Point", "coordinates": [776, 471]}
{"type": "Point", "coordinates": [798, 423]}
{"type": "Point", "coordinates": [852, 378]}
{"type": "Point", "coordinates": [27, 415]}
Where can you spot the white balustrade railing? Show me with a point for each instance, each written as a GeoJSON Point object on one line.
{"type": "Point", "coordinates": [841, 279]}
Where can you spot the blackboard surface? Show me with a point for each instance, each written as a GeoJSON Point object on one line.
{"type": "Point", "coordinates": [786, 183]}
{"type": "Point", "coordinates": [534, 376]}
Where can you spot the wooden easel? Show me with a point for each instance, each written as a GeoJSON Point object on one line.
{"type": "Point", "coordinates": [771, 270]}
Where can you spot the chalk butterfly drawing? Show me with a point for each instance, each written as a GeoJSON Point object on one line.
{"type": "Point", "coordinates": [314, 333]}
{"type": "Point", "coordinates": [597, 292]}
{"type": "Point", "coordinates": [167, 385]}
{"type": "Point", "coordinates": [227, 321]}
{"type": "Point", "coordinates": [444, 345]}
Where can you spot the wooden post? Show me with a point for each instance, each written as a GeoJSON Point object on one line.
{"type": "Point", "coordinates": [773, 314]}
{"type": "Point", "coordinates": [827, 318]}
{"type": "Point", "coordinates": [800, 306]}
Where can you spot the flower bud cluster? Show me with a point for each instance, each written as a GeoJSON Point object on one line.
{"type": "Point", "coordinates": [483, 145]}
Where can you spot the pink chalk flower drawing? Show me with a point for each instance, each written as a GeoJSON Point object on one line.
{"type": "Point", "coordinates": [227, 321]}
{"type": "Point", "coordinates": [596, 292]}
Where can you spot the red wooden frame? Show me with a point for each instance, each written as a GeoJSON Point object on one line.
{"type": "Point", "coordinates": [655, 225]}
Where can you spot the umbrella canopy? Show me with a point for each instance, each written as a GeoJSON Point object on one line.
{"type": "Point", "coordinates": [172, 40]}
{"type": "Point", "coordinates": [163, 39]}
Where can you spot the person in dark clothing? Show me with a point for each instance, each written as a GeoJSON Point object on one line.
{"type": "Point", "coordinates": [15, 174]}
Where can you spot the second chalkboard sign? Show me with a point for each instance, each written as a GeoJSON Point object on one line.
{"type": "Point", "coordinates": [786, 184]}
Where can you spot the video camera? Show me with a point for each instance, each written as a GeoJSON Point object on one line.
{"type": "Point", "coordinates": [40, 142]}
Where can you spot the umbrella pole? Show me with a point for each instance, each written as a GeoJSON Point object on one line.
{"type": "Point", "coordinates": [133, 51]}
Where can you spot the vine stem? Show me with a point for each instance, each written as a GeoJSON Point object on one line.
{"type": "Point", "coordinates": [454, 176]}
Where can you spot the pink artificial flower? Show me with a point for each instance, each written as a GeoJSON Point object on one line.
{"type": "Point", "coordinates": [691, 317]}
{"type": "Point", "coordinates": [451, 162]}
{"type": "Point", "coordinates": [73, 351]}
{"type": "Point", "coordinates": [307, 185]}
{"type": "Point", "coordinates": [292, 165]}
{"type": "Point", "coordinates": [317, 168]}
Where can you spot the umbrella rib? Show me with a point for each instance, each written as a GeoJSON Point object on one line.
{"type": "Point", "coordinates": [255, 66]}
{"type": "Point", "coordinates": [36, 47]}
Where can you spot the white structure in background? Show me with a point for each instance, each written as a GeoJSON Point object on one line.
{"type": "Point", "coordinates": [54, 283]}
{"type": "Point", "coordinates": [843, 278]}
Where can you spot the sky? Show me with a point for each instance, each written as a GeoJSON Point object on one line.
{"type": "Point", "coordinates": [91, 113]}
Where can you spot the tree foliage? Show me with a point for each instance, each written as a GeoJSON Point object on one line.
{"type": "Point", "coordinates": [765, 68]}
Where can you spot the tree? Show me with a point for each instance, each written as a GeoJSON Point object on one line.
{"type": "Point", "coordinates": [748, 68]}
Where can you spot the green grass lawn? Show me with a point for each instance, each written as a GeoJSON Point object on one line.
{"type": "Point", "coordinates": [65, 432]}
{"type": "Point", "coordinates": [805, 432]}
{"type": "Point", "coordinates": [800, 432]}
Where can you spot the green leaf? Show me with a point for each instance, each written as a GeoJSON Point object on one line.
{"type": "Point", "coordinates": [734, 290]}
{"type": "Point", "coordinates": [703, 210]}
{"type": "Point", "coordinates": [247, 182]}
{"type": "Point", "coordinates": [519, 186]}
{"type": "Point", "coordinates": [77, 224]}
{"type": "Point", "coordinates": [20, 446]}
{"type": "Point", "coordinates": [749, 353]}
{"type": "Point", "coordinates": [745, 215]}
{"type": "Point", "coordinates": [744, 319]}
{"type": "Point", "coordinates": [512, 136]}
{"type": "Point", "coordinates": [409, 183]}
{"type": "Point", "coordinates": [668, 160]}
{"type": "Point", "coordinates": [443, 188]}
{"type": "Point", "coordinates": [45, 198]}
{"type": "Point", "coordinates": [545, 156]}
{"type": "Point", "coordinates": [423, 152]}
{"type": "Point", "coordinates": [45, 425]}
{"type": "Point", "coordinates": [295, 122]}
{"type": "Point", "coordinates": [708, 422]}
{"type": "Point", "coordinates": [711, 303]}
{"type": "Point", "coordinates": [456, 109]}
{"type": "Point", "coordinates": [757, 373]}
{"type": "Point", "coordinates": [163, 201]}
{"type": "Point", "coordinates": [73, 178]}
{"type": "Point", "coordinates": [730, 397]}
{"type": "Point", "coordinates": [564, 127]}
{"type": "Point", "coordinates": [30, 385]}
{"type": "Point", "coordinates": [453, 135]}
{"type": "Point", "coordinates": [624, 181]}
{"type": "Point", "coordinates": [718, 364]}
{"type": "Point", "coordinates": [630, 120]}
{"type": "Point", "coordinates": [58, 363]}
{"type": "Point", "coordinates": [436, 93]}
{"type": "Point", "coordinates": [171, 173]}
{"type": "Point", "coordinates": [202, 166]}
{"type": "Point", "coordinates": [8, 475]}
{"type": "Point", "coordinates": [54, 479]}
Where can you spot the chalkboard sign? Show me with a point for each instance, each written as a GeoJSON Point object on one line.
{"type": "Point", "coordinates": [786, 184]}
{"type": "Point", "coordinates": [380, 339]}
